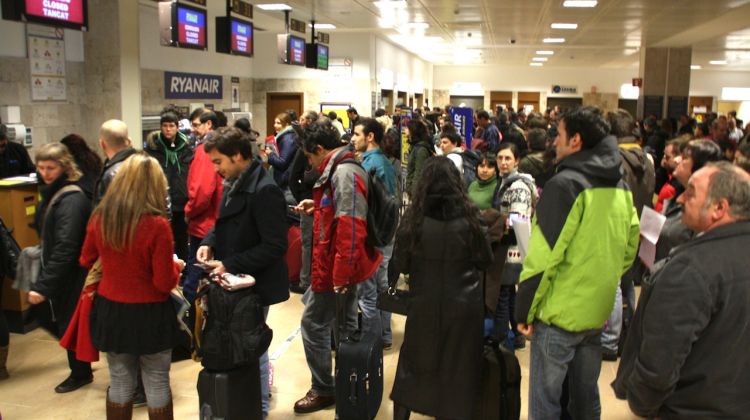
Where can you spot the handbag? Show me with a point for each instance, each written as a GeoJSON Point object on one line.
{"type": "Point", "coordinates": [394, 300]}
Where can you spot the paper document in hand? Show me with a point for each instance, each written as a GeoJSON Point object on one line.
{"type": "Point", "coordinates": [651, 225]}
{"type": "Point", "coordinates": [522, 230]}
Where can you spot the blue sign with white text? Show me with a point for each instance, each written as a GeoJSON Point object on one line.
{"type": "Point", "coordinates": [192, 86]}
{"type": "Point", "coordinates": [463, 120]}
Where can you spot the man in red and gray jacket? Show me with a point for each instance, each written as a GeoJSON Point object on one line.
{"type": "Point", "coordinates": [341, 259]}
{"type": "Point", "coordinates": [204, 196]}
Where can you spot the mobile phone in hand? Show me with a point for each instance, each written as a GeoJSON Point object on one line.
{"type": "Point", "coordinates": [203, 266]}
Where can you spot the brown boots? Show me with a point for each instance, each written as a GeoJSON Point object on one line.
{"type": "Point", "coordinates": [3, 361]}
{"type": "Point", "coordinates": [119, 411]}
{"type": "Point", "coordinates": [163, 413]}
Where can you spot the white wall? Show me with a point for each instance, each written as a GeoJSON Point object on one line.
{"type": "Point", "coordinates": [398, 69]}
{"type": "Point", "coordinates": [702, 82]}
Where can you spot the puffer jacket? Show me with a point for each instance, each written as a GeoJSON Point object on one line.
{"type": "Point", "coordinates": [340, 255]}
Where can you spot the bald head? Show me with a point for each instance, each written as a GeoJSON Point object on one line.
{"type": "Point", "coordinates": [114, 133]}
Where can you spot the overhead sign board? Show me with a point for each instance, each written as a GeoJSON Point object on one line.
{"type": "Point", "coordinates": [568, 90]}
{"type": "Point", "coordinates": [192, 86]}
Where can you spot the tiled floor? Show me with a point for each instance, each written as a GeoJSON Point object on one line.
{"type": "Point", "coordinates": [37, 363]}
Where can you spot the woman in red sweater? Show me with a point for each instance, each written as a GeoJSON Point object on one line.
{"type": "Point", "coordinates": [133, 320]}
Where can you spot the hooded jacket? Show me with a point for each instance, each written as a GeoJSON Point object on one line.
{"type": "Point", "coordinates": [638, 173]}
{"type": "Point", "coordinates": [584, 237]}
{"type": "Point", "coordinates": [111, 166]}
{"type": "Point", "coordinates": [340, 255]}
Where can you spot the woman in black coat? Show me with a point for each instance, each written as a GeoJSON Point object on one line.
{"type": "Point", "coordinates": [441, 246]}
{"type": "Point", "coordinates": [62, 229]}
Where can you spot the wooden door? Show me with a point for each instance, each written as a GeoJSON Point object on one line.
{"type": "Point", "coordinates": [279, 102]}
{"type": "Point", "coordinates": [530, 99]}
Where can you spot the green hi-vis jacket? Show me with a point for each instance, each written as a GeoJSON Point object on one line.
{"type": "Point", "coordinates": [584, 236]}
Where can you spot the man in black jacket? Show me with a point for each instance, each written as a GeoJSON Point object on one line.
{"type": "Point", "coordinates": [249, 236]}
{"type": "Point", "coordinates": [115, 143]}
{"type": "Point", "coordinates": [14, 159]}
{"type": "Point", "coordinates": [693, 308]}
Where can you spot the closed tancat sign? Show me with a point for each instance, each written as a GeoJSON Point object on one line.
{"type": "Point", "coordinates": [192, 86]}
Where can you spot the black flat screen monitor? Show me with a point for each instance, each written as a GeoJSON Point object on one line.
{"type": "Point", "coordinates": [66, 13]}
{"type": "Point", "coordinates": [183, 26]}
{"type": "Point", "coordinates": [234, 36]}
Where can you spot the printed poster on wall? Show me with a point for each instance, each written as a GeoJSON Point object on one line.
{"type": "Point", "coordinates": [46, 50]}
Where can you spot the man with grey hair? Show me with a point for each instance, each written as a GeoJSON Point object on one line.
{"type": "Point", "coordinates": [693, 307]}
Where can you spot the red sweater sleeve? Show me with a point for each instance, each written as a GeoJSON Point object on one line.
{"type": "Point", "coordinates": [90, 251]}
{"type": "Point", "coordinates": [202, 182]}
{"type": "Point", "coordinates": [166, 272]}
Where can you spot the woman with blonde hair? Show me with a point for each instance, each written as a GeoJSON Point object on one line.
{"type": "Point", "coordinates": [61, 222]}
{"type": "Point", "coordinates": [133, 320]}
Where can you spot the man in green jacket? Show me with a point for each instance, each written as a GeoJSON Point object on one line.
{"type": "Point", "coordinates": [584, 236]}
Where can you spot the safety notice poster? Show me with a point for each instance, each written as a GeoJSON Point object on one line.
{"type": "Point", "coordinates": [46, 49]}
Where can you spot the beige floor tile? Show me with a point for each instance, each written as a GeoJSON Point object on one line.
{"type": "Point", "coordinates": [37, 363]}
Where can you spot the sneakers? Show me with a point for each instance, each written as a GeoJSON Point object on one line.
{"type": "Point", "coordinates": [71, 384]}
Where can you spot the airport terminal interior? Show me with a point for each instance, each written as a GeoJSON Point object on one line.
{"type": "Point", "coordinates": [65, 70]}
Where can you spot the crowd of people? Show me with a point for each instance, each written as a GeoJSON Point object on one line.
{"type": "Point", "coordinates": [531, 225]}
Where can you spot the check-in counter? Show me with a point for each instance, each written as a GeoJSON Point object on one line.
{"type": "Point", "coordinates": [18, 202]}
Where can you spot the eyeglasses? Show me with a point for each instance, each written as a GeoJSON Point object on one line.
{"type": "Point", "coordinates": [196, 125]}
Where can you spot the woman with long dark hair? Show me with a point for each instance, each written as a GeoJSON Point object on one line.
{"type": "Point", "coordinates": [87, 160]}
{"type": "Point", "coordinates": [442, 248]}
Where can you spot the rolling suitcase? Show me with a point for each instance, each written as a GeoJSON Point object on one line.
{"type": "Point", "coordinates": [500, 392]}
{"type": "Point", "coordinates": [359, 370]}
{"type": "Point", "coordinates": [230, 395]}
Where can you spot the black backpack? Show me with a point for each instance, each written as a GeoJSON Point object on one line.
{"type": "Point", "coordinates": [235, 332]}
{"type": "Point", "coordinates": [470, 162]}
{"type": "Point", "coordinates": [382, 210]}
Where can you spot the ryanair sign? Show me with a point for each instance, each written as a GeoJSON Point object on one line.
{"type": "Point", "coordinates": [192, 86]}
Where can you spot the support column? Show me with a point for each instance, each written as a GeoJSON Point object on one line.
{"type": "Point", "coordinates": [666, 81]}
{"type": "Point", "coordinates": [112, 67]}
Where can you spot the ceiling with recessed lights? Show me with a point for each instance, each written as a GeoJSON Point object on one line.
{"type": "Point", "coordinates": [510, 32]}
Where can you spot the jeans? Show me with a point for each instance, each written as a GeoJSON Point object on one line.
{"type": "Point", "coordinates": [505, 313]}
{"type": "Point", "coordinates": [554, 354]}
{"type": "Point", "coordinates": [318, 318]}
{"type": "Point", "coordinates": [306, 226]}
{"type": "Point", "coordinates": [192, 273]}
{"type": "Point", "coordinates": [154, 371]}
{"type": "Point", "coordinates": [611, 333]}
{"type": "Point", "coordinates": [373, 319]}
{"type": "Point", "coordinates": [265, 388]}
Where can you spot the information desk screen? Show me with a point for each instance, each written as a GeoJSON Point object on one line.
{"type": "Point", "coordinates": [68, 13]}
{"type": "Point", "coordinates": [241, 37]}
{"type": "Point", "coordinates": [191, 27]}
{"type": "Point", "coordinates": [322, 55]}
{"type": "Point", "coordinates": [296, 50]}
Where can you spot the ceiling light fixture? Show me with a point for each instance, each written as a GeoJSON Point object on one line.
{"type": "Point", "coordinates": [695, 67]}
{"type": "Point", "coordinates": [536, 64]}
{"type": "Point", "coordinates": [274, 6]}
{"type": "Point", "coordinates": [718, 62]}
{"type": "Point", "coordinates": [545, 52]}
{"type": "Point", "coordinates": [564, 26]}
{"type": "Point", "coordinates": [396, 4]}
{"type": "Point", "coordinates": [540, 59]}
{"type": "Point", "coordinates": [553, 40]}
{"type": "Point", "coordinates": [322, 26]}
{"type": "Point", "coordinates": [579, 3]}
